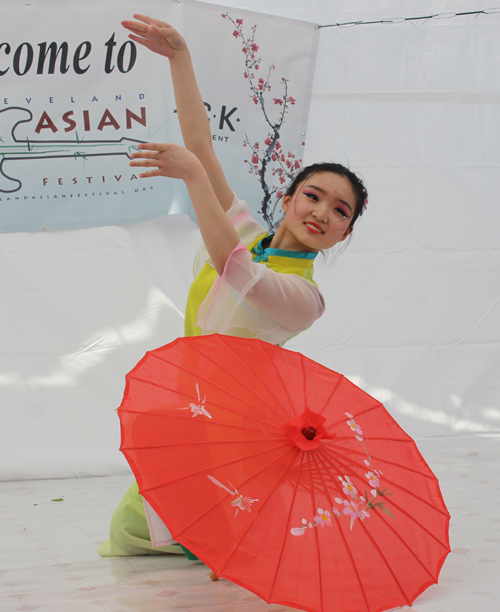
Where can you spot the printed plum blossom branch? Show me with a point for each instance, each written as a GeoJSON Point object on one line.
{"type": "Point", "coordinates": [350, 505]}
{"type": "Point", "coordinates": [270, 158]}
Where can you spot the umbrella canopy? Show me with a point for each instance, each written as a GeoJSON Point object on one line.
{"type": "Point", "coordinates": [283, 476]}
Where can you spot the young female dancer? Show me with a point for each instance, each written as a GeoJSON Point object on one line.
{"type": "Point", "coordinates": [247, 283]}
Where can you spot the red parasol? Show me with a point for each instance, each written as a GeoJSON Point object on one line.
{"type": "Point", "coordinates": [283, 476]}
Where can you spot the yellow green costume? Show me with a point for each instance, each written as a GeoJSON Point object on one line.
{"type": "Point", "coordinates": [263, 292]}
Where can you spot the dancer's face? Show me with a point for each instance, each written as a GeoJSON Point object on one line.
{"type": "Point", "coordinates": [318, 215]}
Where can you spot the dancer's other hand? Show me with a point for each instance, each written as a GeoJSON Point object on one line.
{"type": "Point", "coordinates": [166, 159]}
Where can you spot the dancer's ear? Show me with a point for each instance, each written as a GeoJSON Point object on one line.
{"type": "Point", "coordinates": [346, 233]}
{"type": "Point", "coordinates": [285, 203]}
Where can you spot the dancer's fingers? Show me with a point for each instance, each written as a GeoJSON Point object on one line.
{"type": "Point", "coordinates": [144, 18]}
{"type": "Point", "coordinates": [155, 146]}
{"type": "Point", "coordinates": [150, 174]}
{"type": "Point", "coordinates": [144, 155]}
{"type": "Point", "coordinates": [136, 28]}
{"type": "Point", "coordinates": [151, 21]}
{"type": "Point", "coordinates": [141, 41]}
{"type": "Point", "coordinates": [144, 163]}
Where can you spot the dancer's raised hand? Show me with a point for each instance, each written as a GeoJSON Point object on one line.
{"type": "Point", "coordinates": [158, 36]}
{"type": "Point", "coordinates": [166, 159]}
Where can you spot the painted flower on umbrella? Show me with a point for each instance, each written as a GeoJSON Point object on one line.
{"type": "Point", "coordinates": [354, 426]}
{"type": "Point", "coordinates": [348, 487]}
{"type": "Point", "coordinates": [355, 511]}
{"type": "Point", "coordinates": [356, 506]}
{"type": "Point", "coordinates": [323, 518]}
{"type": "Point", "coordinates": [373, 479]}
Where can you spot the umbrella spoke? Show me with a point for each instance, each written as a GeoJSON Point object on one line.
{"type": "Point", "coordinates": [273, 583]}
{"type": "Point", "coordinates": [341, 532]}
{"type": "Point", "coordinates": [268, 413]}
{"type": "Point", "coordinates": [419, 524]}
{"type": "Point", "coordinates": [388, 524]}
{"type": "Point", "coordinates": [197, 443]}
{"type": "Point", "coordinates": [360, 413]}
{"type": "Point", "coordinates": [407, 468]}
{"type": "Point", "coordinates": [339, 380]}
{"type": "Point", "coordinates": [205, 422]}
{"type": "Point", "coordinates": [304, 385]}
{"type": "Point", "coordinates": [424, 501]}
{"type": "Point", "coordinates": [316, 538]}
{"type": "Point", "coordinates": [261, 507]}
{"type": "Point", "coordinates": [278, 376]}
{"type": "Point", "coordinates": [212, 467]}
{"type": "Point", "coordinates": [378, 550]}
{"type": "Point", "coordinates": [249, 416]}
{"type": "Point", "coordinates": [248, 366]}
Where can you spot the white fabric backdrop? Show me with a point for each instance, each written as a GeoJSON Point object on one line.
{"type": "Point", "coordinates": [412, 304]}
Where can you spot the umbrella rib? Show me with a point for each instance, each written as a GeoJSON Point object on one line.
{"type": "Point", "coordinates": [346, 546]}
{"type": "Point", "coordinates": [259, 378]}
{"type": "Point", "coordinates": [277, 424]}
{"type": "Point", "coordinates": [387, 523]}
{"type": "Point", "coordinates": [412, 518]}
{"type": "Point", "coordinates": [408, 602]}
{"type": "Point", "coordinates": [207, 422]}
{"type": "Point", "coordinates": [286, 531]}
{"type": "Point", "coordinates": [306, 403]}
{"type": "Point", "coordinates": [240, 485]}
{"type": "Point", "coordinates": [377, 458]}
{"type": "Point", "coordinates": [285, 387]}
{"type": "Point", "coordinates": [268, 413]}
{"type": "Point", "coordinates": [369, 409]}
{"type": "Point", "coordinates": [130, 375]}
{"type": "Point", "coordinates": [212, 467]}
{"type": "Point", "coordinates": [392, 483]}
{"type": "Point", "coordinates": [378, 438]}
{"type": "Point", "coordinates": [253, 441]}
{"type": "Point", "coordinates": [278, 482]}
{"type": "Point", "coordinates": [316, 539]}
{"type": "Point", "coordinates": [339, 380]}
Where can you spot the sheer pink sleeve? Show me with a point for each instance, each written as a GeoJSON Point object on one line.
{"type": "Point", "coordinates": [252, 300]}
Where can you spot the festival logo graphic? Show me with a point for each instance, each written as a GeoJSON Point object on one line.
{"type": "Point", "coordinates": [12, 148]}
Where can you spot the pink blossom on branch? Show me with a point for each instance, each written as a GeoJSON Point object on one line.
{"type": "Point", "coordinates": [272, 158]}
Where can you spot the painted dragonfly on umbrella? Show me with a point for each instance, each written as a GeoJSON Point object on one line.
{"type": "Point", "coordinates": [241, 503]}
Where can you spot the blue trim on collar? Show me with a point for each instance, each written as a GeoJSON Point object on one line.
{"type": "Point", "coordinates": [264, 254]}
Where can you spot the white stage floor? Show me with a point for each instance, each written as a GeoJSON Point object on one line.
{"type": "Point", "coordinates": [49, 561]}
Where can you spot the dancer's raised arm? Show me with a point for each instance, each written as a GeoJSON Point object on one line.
{"type": "Point", "coordinates": [160, 37]}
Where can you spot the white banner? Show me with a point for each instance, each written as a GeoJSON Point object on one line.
{"type": "Point", "coordinates": [77, 96]}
